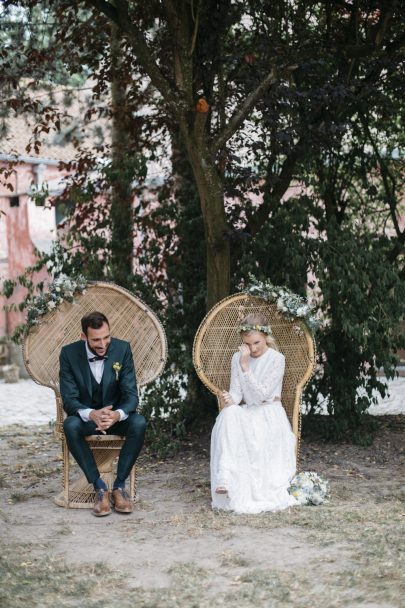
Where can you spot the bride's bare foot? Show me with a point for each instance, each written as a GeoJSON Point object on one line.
{"type": "Point", "coordinates": [221, 490]}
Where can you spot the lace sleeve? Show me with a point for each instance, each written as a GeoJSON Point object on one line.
{"type": "Point", "coordinates": [235, 388]}
{"type": "Point", "coordinates": [269, 385]}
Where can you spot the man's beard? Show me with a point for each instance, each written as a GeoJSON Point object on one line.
{"type": "Point", "coordinates": [95, 352]}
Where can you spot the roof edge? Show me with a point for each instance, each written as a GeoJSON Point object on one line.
{"type": "Point", "coordinates": [32, 160]}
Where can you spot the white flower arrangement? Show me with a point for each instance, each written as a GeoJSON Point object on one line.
{"type": "Point", "coordinates": [63, 288]}
{"type": "Point", "coordinates": [309, 488]}
{"type": "Point", "coordinates": [263, 328]}
{"type": "Point", "coordinates": [289, 304]}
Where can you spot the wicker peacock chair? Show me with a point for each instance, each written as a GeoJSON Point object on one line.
{"type": "Point", "coordinates": [217, 340]}
{"type": "Point", "coordinates": [130, 319]}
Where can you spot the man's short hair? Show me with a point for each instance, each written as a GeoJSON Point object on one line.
{"type": "Point", "coordinates": [94, 320]}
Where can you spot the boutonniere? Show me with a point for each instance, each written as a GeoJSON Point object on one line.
{"type": "Point", "coordinates": [117, 368]}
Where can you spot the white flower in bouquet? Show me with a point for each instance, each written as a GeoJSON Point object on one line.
{"type": "Point", "coordinates": [316, 500]}
{"type": "Point", "coordinates": [309, 488]}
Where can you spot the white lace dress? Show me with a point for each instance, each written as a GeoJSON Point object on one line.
{"type": "Point", "coordinates": [252, 445]}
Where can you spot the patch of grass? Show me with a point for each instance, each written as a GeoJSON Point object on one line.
{"type": "Point", "coordinates": [36, 471]}
{"type": "Point", "coordinates": [16, 430]}
{"type": "Point", "coordinates": [37, 494]}
{"type": "Point", "coordinates": [370, 535]}
{"type": "Point", "coordinates": [234, 559]}
{"type": "Point", "coordinates": [264, 585]}
{"type": "Point", "coordinates": [18, 497]}
{"type": "Point", "coordinates": [346, 518]}
{"type": "Point", "coordinates": [65, 530]}
{"type": "Point", "coordinates": [342, 492]}
{"type": "Point", "coordinates": [142, 505]}
{"type": "Point", "coordinates": [17, 443]}
{"type": "Point", "coordinates": [187, 574]}
{"type": "Point", "coordinates": [4, 517]}
{"type": "Point", "coordinates": [48, 581]}
{"type": "Point", "coordinates": [358, 535]}
{"type": "Point", "coordinates": [392, 494]}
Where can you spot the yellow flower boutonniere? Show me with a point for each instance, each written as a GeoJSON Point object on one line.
{"type": "Point", "coordinates": [117, 368]}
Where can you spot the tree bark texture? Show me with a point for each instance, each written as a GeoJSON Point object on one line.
{"type": "Point", "coordinates": [210, 190]}
{"type": "Point", "coordinates": [121, 266]}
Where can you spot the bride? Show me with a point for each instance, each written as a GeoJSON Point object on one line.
{"type": "Point", "coordinates": [252, 445]}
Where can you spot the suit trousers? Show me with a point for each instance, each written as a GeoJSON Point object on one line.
{"type": "Point", "coordinates": [133, 429]}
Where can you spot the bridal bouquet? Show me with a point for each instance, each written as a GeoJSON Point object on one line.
{"type": "Point", "coordinates": [309, 488]}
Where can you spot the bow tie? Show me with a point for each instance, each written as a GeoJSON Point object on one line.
{"type": "Point", "coordinates": [97, 358]}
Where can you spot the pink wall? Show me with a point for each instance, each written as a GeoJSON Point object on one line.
{"type": "Point", "coordinates": [20, 231]}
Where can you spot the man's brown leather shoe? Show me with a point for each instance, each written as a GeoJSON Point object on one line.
{"type": "Point", "coordinates": [102, 503]}
{"type": "Point", "coordinates": [121, 500]}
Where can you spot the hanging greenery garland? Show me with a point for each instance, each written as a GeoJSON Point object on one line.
{"type": "Point", "coordinates": [289, 304]}
{"type": "Point", "coordinates": [62, 289]}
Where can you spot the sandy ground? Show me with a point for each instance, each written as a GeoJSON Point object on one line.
{"type": "Point", "coordinates": [26, 402]}
{"type": "Point", "coordinates": [174, 552]}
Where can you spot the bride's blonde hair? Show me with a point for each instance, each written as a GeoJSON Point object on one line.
{"type": "Point", "coordinates": [260, 321]}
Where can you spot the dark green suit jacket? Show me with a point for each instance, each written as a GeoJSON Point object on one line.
{"type": "Point", "coordinates": [76, 384]}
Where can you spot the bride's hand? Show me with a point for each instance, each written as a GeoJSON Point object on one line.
{"type": "Point", "coordinates": [227, 398]}
{"type": "Point", "coordinates": [244, 357]}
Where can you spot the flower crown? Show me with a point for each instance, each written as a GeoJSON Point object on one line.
{"type": "Point", "coordinates": [265, 329]}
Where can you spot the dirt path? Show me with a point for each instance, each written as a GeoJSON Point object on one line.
{"type": "Point", "coordinates": [173, 551]}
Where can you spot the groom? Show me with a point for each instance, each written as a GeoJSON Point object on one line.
{"type": "Point", "coordinates": [99, 394]}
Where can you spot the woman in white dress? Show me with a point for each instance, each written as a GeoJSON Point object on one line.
{"type": "Point", "coordinates": [252, 445]}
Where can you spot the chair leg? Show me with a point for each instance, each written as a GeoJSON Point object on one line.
{"type": "Point", "coordinates": [66, 466]}
{"type": "Point", "coordinates": [80, 494]}
{"type": "Point", "coordinates": [132, 483]}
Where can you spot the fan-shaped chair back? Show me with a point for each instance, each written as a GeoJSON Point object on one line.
{"type": "Point", "coordinates": [217, 339]}
{"type": "Point", "coordinates": [131, 320]}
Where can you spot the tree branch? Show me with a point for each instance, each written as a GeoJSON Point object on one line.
{"type": "Point", "coordinates": [385, 174]}
{"type": "Point", "coordinates": [179, 27]}
{"type": "Point", "coordinates": [387, 12]}
{"type": "Point", "coordinates": [108, 9]}
{"type": "Point", "coordinates": [258, 219]}
{"type": "Point", "coordinates": [119, 15]}
{"type": "Point", "coordinates": [239, 116]}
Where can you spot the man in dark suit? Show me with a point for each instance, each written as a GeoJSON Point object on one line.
{"type": "Point", "coordinates": [99, 394]}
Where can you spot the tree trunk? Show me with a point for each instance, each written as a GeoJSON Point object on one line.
{"type": "Point", "coordinates": [121, 175]}
{"type": "Point", "coordinates": [211, 193]}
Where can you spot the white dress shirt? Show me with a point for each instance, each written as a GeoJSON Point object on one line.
{"type": "Point", "coordinates": [97, 369]}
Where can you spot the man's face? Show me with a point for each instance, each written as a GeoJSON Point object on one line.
{"type": "Point", "coordinates": [98, 340]}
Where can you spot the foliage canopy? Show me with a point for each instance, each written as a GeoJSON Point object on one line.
{"type": "Point", "coordinates": [281, 130]}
